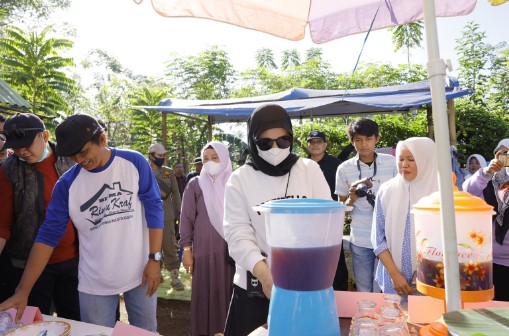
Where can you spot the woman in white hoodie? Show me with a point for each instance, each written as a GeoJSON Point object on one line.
{"type": "Point", "coordinates": [271, 172]}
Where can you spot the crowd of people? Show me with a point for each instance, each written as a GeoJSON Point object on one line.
{"type": "Point", "coordinates": [83, 222]}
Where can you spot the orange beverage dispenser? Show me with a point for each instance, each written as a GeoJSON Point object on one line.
{"type": "Point", "coordinates": [474, 242]}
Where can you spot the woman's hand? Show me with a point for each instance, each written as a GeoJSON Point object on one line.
{"type": "Point", "coordinates": [495, 165]}
{"type": "Point", "coordinates": [262, 272]}
{"type": "Point", "coordinates": [188, 260]}
{"type": "Point", "coordinates": [401, 284]}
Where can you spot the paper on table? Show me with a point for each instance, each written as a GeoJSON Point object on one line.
{"type": "Point", "coordinates": [123, 329]}
{"type": "Point", "coordinates": [425, 309]}
{"type": "Point", "coordinates": [487, 304]}
{"type": "Point", "coordinates": [30, 315]}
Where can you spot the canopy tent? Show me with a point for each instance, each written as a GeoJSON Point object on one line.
{"type": "Point", "coordinates": [307, 103]}
{"type": "Point", "coordinates": [10, 100]}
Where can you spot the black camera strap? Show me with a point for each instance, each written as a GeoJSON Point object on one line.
{"type": "Point", "coordinates": [359, 168]}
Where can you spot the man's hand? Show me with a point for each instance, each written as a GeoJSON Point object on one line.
{"type": "Point", "coordinates": [352, 196]}
{"type": "Point", "coordinates": [151, 276]}
{"type": "Point", "coordinates": [18, 301]}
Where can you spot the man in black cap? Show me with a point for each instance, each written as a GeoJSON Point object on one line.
{"type": "Point", "coordinates": [198, 164]}
{"type": "Point", "coordinates": [27, 179]}
{"type": "Point", "coordinates": [317, 145]}
{"type": "Point", "coordinates": [113, 199]}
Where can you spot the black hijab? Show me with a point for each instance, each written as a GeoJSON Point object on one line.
{"type": "Point", "coordinates": [263, 118]}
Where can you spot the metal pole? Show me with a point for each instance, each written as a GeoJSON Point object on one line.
{"type": "Point", "coordinates": [437, 71]}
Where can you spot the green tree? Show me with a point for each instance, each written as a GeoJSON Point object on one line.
{"type": "Point", "coordinates": [209, 75]}
{"type": "Point", "coordinates": [499, 81]}
{"type": "Point", "coordinates": [265, 58]}
{"type": "Point", "coordinates": [478, 130]}
{"type": "Point", "coordinates": [146, 124]}
{"type": "Point", "coordinates": [313, 53]}
{"type": "Point", "coordinates": [407, 36]}
{"type": "Point", "coordinates": [371, 75]}
{"type": "Point", "coordinates": [313, 73]}
{"type": "Point", "coordinates": [17, 10]}
{"type": "Point", "coordinates": [206, 76]}
{"type": "Point", "coordinates": [112, 106]}
{"type": "Point", "coordinates": [484, 69]}
{"type": "Point", "coordinates": [32, 63]}
{"type": "Point", "coordinates": [474, 56]}
{"type": "Point", "coordinates": [290, 58]}
{"type": "Point", "coordinates": [398, 126]}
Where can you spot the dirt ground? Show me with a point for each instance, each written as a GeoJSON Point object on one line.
{"type": "Point", "coordinates": [172, 317]}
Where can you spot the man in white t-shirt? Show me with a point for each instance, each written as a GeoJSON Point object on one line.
{"type": "Point", "coordinates": [113, 200]}
{"type": "Point", "coordinates": [357, 181]}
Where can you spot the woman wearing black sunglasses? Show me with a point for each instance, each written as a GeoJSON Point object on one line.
{"type": "Point", "coordinates": [271, 172]}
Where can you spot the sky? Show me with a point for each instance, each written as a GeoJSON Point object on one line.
{"type": "Point", "coordinates": [142, 40]}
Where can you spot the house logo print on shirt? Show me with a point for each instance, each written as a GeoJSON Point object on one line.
{"type": "Point", "coordinates": [108, 205]}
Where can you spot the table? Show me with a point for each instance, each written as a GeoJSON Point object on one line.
{"type": "Point", "coordinates": [344, 327]}
{"type": "Point", "coordinates": [82, 328]}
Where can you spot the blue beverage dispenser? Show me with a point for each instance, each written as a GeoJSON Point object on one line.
{"type": "Point", "coordinates": [304, 236]}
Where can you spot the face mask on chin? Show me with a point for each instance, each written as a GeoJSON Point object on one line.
{"type": "Point", "coordinates": [43, 156]}
{"type": "Point", "coordinates": [274, 156]}
{"type": "Point", "coordinates": [212, 167]}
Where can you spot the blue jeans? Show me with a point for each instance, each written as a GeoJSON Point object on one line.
{"type": "Point", "coordinates": [101, 309]}
{"type": "Point", "coordinates": [364, 264]}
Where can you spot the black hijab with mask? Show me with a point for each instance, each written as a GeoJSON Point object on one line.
{"type": "Point", "coordinates": [264, 118]}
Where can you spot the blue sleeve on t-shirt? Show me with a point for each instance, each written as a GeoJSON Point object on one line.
{"type": "Point", "coordinates": [57, 214]}
{"type": "Point", "coordinates": [148, 188]}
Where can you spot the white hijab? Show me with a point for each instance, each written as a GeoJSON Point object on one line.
{"type": "Point", "coordinates": [399, 194]}
{"type": "Point", "coordinates": [480, 159]}
{"type": "Point", "coordinates": [503, 142]}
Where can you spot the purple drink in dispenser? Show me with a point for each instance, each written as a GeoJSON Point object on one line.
{"type": "Point", "coordinates": [304, 237]}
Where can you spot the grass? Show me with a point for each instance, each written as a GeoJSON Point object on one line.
{"type": "Point", "coordinates": [166, 291]}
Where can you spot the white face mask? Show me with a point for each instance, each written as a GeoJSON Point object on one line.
{"type": "Point", "coordinates": [274, 156]}
{"type": "Point", "coordinates": [212, 167]}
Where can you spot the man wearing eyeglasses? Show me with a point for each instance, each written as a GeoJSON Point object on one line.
{"type": "Point", "coordinates": [27, 179]}
{"type": "Point", "coordinates": [317, 145]}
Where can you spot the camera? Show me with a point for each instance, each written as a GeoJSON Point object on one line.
{"type": "Point", "coordinates": [505, 159]}
{"type": "Point", "coordinates": [363, 190]}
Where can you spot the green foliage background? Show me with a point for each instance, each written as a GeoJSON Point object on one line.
{"type": "Point", "coordinates": [52, 83]}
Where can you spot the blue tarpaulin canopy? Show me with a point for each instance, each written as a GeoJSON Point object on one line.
{"type": "Point", "coordinates": [307, 103]}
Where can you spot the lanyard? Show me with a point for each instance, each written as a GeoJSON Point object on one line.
{"type": "Point", "coordinates": [287, 182]}
{"type": "Point", "coordinates": [359, 168]}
